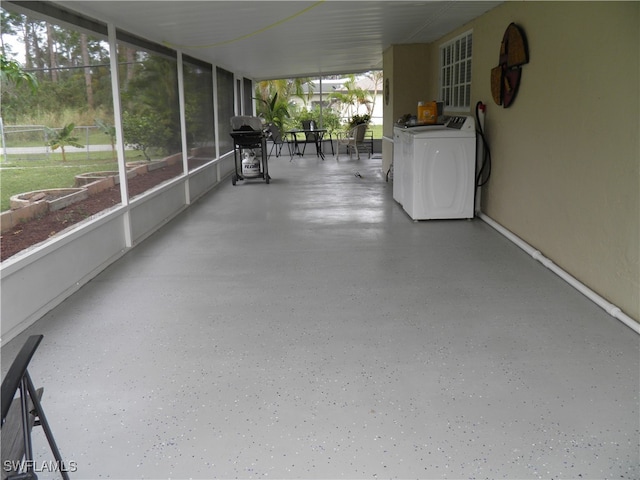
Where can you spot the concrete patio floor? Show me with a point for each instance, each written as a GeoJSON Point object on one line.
{"type": "Point", "coordinates": [309, 329]}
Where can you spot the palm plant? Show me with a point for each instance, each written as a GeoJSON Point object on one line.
{"type": "Point", "coordinates": [352, 97]}
{"type": "Point", "coordinates": [273, 110]}
{"type": "Point", "coordinates": [274, 97]}
{"type": "Point", "coordinates": [110, 131]}
{"type": "Point", "coordinates": [62, 138]}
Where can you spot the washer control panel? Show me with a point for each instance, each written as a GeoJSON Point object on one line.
{"type": "Point", "coordinates": [457, 122]}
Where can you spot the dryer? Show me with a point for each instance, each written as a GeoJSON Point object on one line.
{"type": "Point", "coordinates": [434, 169]}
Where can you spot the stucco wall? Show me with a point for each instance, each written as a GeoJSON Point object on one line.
{"type": "Point", "coordinates": [566, 154]}
{"type": "Point", "coordinates": [407, 68]}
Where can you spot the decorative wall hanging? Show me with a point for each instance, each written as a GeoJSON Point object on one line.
{"type": "Point", "coordinates": [505, 78]}
{"type": "Point", "coordinates": [386, 92]}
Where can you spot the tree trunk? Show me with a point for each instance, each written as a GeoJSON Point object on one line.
{"type": "Point", "coordinates": [87, 69]}
{"type": "Point", "coordinates": [130, 56]}
{"type": "Point", "coordinates": [37, 51]}
{"type": "Point", "coordinates": [53, 65]}
{"type": "Point", "coordinates": [26, 29]}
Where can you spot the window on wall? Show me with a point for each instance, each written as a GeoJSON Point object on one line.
{"type": "Point", "coordinates": [247, 86]}
{"type": "Point", "coordinates": [239, 96]}
{"type": "Point", "coordinates": [455, 72]}
{"type": "Point", "coordinates": [150, 109]}
{"type": "Point", "coordinates": [225, 88]}
{"type": "Point", "coordinates": [198, 94]}
{"type": "Point", "coordinates": [68, 118]}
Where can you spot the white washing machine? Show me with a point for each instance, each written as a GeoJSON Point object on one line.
{"type": "Point", "coordinates": [434, 169]}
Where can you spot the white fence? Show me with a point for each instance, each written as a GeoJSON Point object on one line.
{"type": "Point", "coordinates": [30, 141]}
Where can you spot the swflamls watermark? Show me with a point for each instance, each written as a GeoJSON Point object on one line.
{"type": "Point", "coordinates": [39, 466]}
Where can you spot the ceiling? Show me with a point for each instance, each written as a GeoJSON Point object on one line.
{"type": "Point", "coordinates": [284, 39]}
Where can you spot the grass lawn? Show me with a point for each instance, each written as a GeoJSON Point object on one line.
{"type": "Point", "coordinates": [20, 176]}
{"type": "Point", "coordinates": [377, 130]}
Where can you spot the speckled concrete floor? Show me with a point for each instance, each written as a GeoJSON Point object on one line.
{"type": "Point", "coordinates": [309, 329]}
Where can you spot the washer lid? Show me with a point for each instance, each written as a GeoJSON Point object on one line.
{"type": "Point", "coordinates": [462, 126]}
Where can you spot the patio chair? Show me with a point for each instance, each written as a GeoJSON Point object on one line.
{"type": "Point", "coordinates": [351, 140]}
{"type": "Point", "coordinates": [19, 416]}
{"type": "Point", "coordinates": [309, 136]}
{"type": "Point", "coordinates": [275, 136]}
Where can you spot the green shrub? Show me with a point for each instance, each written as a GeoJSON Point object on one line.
{"type": "Point", "coordinates": [144, 131]}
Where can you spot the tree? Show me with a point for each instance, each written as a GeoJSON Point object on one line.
{"type": "Point", "coordinates": [376, 78]}
{"type": "Point", "coordinates": [10, 24]}
{"type": "Point", "coordinates": [11, 71]}
{"type": "Point", "coordinates": [352, 97]}
{"type": "Point", "coordinates": [144, 131]}
{"type": "Point", "coordinates": [153, 94]}
{"type": "Point", "coordinates": [62, 138]}
{"type": "Point", "coordinates": [64, 90]}
{"type": "Point", "coordinates": [330, 119]}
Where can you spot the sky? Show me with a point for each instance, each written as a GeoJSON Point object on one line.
{"type": "Point", "coordinates": [17, 47]}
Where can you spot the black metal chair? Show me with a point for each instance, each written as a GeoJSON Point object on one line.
{"type": "Point", "coordinates": [276, 138]}
{"type": "Point", "coordinates": [310, 136]}
{"type": "Point", "coordinates": [20, 415]}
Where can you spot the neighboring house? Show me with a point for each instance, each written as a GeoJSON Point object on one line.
{"type": "Point", "coordinates": [330, 85]}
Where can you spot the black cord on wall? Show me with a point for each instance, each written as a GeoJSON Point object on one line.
{"type": "Point", "coordinates": [484, 173]}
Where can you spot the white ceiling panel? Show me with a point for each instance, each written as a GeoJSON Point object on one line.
{"type": "Point", "coordinates": [280, 39]}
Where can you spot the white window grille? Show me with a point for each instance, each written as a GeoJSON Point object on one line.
{"type": "Point", "coordinates": [455, 72]}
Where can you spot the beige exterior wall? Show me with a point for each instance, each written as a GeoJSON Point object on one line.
{"type": "Point", "coordinates": [566, 154]}
{"type": "Point", "coordinates": [406, 67]}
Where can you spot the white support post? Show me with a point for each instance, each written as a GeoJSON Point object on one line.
{"type": "Point", "coordinates": [321, 117]}
{"type": "Point", "coordinates": [4, 140]}
{"type": "Point", "coordinates": [216, 122]}
{"type": "Point", "coordinates": [117, 113]}
{"type": "Point", "coordinates": [183, 128]}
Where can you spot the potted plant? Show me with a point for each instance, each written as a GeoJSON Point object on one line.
{"type": "Point", "coordinates": [359, 120]}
